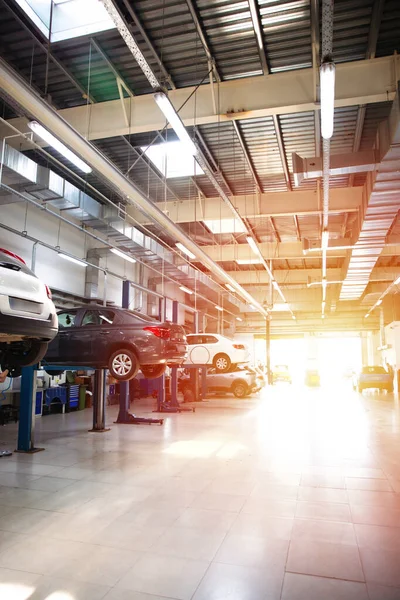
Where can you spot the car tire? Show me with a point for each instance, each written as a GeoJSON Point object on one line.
{"type": "Point", "coordinates": [153, 371]}
{"type": "Point", "coordinates": [123, 364]}
{"type": "Point", "coordinates": [240, 389]}
{"type": "Point", "coordinates": [32, 354]}
{"type": "Point", "coordinates": [222, 363]}
{"type": "Point", "coordinates": [54, 373]}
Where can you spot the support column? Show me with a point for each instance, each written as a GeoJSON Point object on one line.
{"type": "Point", "coordinates": [268, 349]}
{"type": "Point", "coordinates": [26, 425]}
{"type": "Point", "coordinates": [124, 402]}
{"type": "Point", "coordinates": [364, 348]}
{"type": "Point", "coordinates": [99, 401]}
{"type": "Point", "coordinates": [174, 370]}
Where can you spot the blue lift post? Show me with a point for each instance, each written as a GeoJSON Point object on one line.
{"type": "Point", "coordinates": [124, 416]}
{"type": "Point", "coordinates": [26, 425]}
{"type": "Point", "coordinates": [99, 402]}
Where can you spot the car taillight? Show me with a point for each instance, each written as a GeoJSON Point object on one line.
{"type": "Point", "coordinates": [48, 292]}
{"type": "Point", "coordinates": [12, 255]}
{"type": "Point", "coordinates": [239, 346]}
{"type": "Point", "coordinates": [161, 332]}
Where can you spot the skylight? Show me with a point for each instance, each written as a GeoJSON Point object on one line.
{"type": "Point", "coordinates": [172, 160]}
{"type": "Point", "coordinates": [70, 19]}
{"type": "Point", "coordinates": [225, 226]}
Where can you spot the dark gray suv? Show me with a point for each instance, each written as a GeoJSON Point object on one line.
{"type": "Point", "coordinates": [120, 340]}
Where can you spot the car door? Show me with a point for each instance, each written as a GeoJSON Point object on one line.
{"type": "Point", "coordinates": [96, 335]}
{"type": "Point", "coordinates": [63, 348]}
{"type": "Point", "coordinates": [210, 342]}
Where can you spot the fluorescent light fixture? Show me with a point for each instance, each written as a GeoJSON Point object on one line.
{"type": "Point", "coordinates": [323, 304]}
{"type": "Point", "coordinates": [367, 315]}
{"type": "Point", "coordinates": [252, 307]}
{"type": "Point", "coordinates": [76, 261]}
{"type": "Point", "coordinates": [275, 284]}
{"type": "Point", "coordinates": [225, 225]}
{"type": "Point", "coordinates": [327, 93]}
{"type": "Point", "coordinates": [174, 120]}
{"type": "Point", "coordinates": [239, 319]}
{"type": "Point", "coordinates": [248, 261]}
{"type": "Point", "coordinates": [172, 159]}
{"type": "Point", "coordinates": [251, 242]}
{"type": "Point", "coordinates": [123, 255]}
{"type": "Point", "coordinates": [230, 288]}
{"type": "Point", "coordinates": [322, 316]}
{"type": "Point", "coordinates": [59, 146]}
{"type": "Point", "coordinates": [379, 302]}
{"type": "Point", "coordinates": [219, 308]}
{"type": "Point", "coordinates": [397, 281]}
{"type": "Point", "coordinates": [281, 307]}
{"type": "Point", "coordinates": [183, 249]}
{"type": "Point", "coordinates": [186, 290]}
{"type": "Point", "coordinates": [325, 239]}
{"type": "Point", "coordinates": [293, 317]}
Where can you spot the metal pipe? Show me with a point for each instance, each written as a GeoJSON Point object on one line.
{"type": "Point", "coordinates": [15, 87]}
{"type": "Point", "coordinates": [105, 290]}
{"type": "Point", "coordinates": [33, 259]}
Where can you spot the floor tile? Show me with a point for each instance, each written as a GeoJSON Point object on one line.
{"type": "Point", "coordinates": [270, 506]}
{"type": "Point", "coordinates": [276, 492]}
{"type": "Point", "coordinates": [382, 592]}
{"type": "Point", "coordinates": [322, 494]}
{"type": "Point", "coordinates": [98, 565]}
{"type": "Point", "coordinates": [375, 515]}
{"type": "Point", "coordinates": [339, 561]}
{"type": "Point", "coordinates": [266, 526]}
{"type": "Point", "coordinates": [365, 472]}
{"type": "Point", "coordinates": [67, 589]}
{"type": "Point", "coordinates": [118, 594]}
{"type": "Point", "coordinates": [333, 532]}
{"type": "Point", "coordinates": [323, 510]}
{"type": "Point", "coordinates": [269, 554]}
{"type": "Point", "coordinates": [372, 498]}
{"type": "Point", "coordinates": [9, 538]}
{"type": "Point", "coordinates": [38, 555]}
{"type": "Point", "coordinates": [305, 587]}
{"type": "Point", "coordinates": [378, 538]}
{"type": "Point", "coordinates": [22, 498]}
{"type": "Point", "coordinates": [231, 487]}
{"type": "Point", "coordinates": [49, 484]}
{"type": "Point", "coordinates": [167, 576]}
{"type": "Point", "coordinates": [190, 543]}
{"type": "Point", "coordinates": [232, 582]}
{"type": "Point", "coordinates": [120, 534]}
{"type": "Point", "coordinates": [328, 481]}
{"type": "Point", "coordinates": [212, 501]}
{"type": "Point", "coordinates": [381, 566]}
{"type": "Point", "coordinates": [359, 483]}
{"type": "Point", "coordinates": [206, 519]}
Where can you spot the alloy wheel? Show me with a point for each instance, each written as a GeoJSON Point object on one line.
{"type": "Point", "coordinates": [122, 364]}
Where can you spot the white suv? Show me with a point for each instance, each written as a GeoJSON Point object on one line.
{"type": "Point", "coordinates": [28, 319]}
{"type": "Point", "coordinates": [217, 350]}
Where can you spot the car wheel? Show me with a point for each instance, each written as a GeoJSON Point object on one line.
{"type": "Point", "coordinates": [153, 371]}
{"type": "Point", "coordinates": [123, 365]}
{"type": "Point", "coordinates": [222, 363]}
{"type": "Point", "coordinates": [25, 354]}
{"type": "Point", "coordinates": [239, 389]}
{"type": "Point", "coordinates": [54, 373]}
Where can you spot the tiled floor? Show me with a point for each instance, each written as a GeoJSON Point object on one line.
{"type": "Point", "coordinates": [292, 496]}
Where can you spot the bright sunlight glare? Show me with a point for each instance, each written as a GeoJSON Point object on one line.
{"type": "Point", "coordinates": [15, 591]}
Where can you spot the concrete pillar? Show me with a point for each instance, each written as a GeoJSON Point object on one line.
{"type": "Point", "coordinates": [365, 348]}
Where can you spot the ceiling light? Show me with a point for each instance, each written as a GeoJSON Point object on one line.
{"type": "Point", "coordinates": [367, 315]}
{"type": "Point", "coordinates": [251, 242]}
{"type": "Point", "coordinates": [323, 304]}
{"type": "Point", "coordinates": [275, 284]}
{"type": "Point", "coordinates": [225, 225]}
{"type": "Point", "coordinates": [325, 239]}
{"type": "Point", "coordinates": [252, 307]}
{"type": "Point", "coordinates": [174, 120]}
{"type": "Point", "coordinates": [249, 261]}
{"type": "Point", "coordinates": [379, 302]}
{"type": "Point", "coordinates": [239, 319]}
{"type": "Point", "coordinates": [397, 281]}
{"type": "Point", "coordinates": [186, 290]}
{"type": "Point", "coordinates": [76, 261]}
{"type": "Point", "coordinates": [219, 307]}
{"type": "Point", "coordinates": [327, 94]}
{"type": "Point", "coordinates": [322, 316]}
{"type": "Point", "coordinates": [230, 288]}
{"type": "Point", "coordinates": [59, 146]}
{"type": "Point", "coordinates": [293, 317]}
{"type": "Point", "coordinates": [183, 249]}
{"type": "Point", "coordinates": [123, 255]}
{"type": "Point", "coordinates": [172, 159]}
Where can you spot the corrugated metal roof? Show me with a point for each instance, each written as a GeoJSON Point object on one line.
{"type": "Point", "coordinates": [351, 25]}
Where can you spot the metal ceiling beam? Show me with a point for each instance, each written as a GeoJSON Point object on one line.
{"type": "Point", "coordinates": [271, 204]}
{"type": "Point", "coordinates": [282, 152]}
{"type": "Point", "coordinates": [136, 20]}
{"type": "Point", "coordinates": [376, 18]}
{"type": "Point", "coordinates": [274, 204]}
{"type": "Point", "coordinates": [111, 66]}
{"type": "Point", "coordinates": [203, 38]}
{"type": "Point", "coordinates": [340, 164]}
{"type": "Point", "coordinates": [291, 92]}
{"type": "Point", "coordinates": [247, 157]}
{"type": "Point", "coordinates": [258, 32]}
{"type": "Point", "coordinates": [296, 224]}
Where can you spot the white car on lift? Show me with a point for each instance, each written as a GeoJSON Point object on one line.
{"type": "Point", "coordinates": [28, 319]}
{"type": "Point", "coordinates": [214, 349]}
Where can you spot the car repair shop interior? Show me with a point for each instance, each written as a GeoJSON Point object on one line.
{"type": "Point", "coordinates": [199, 300]}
